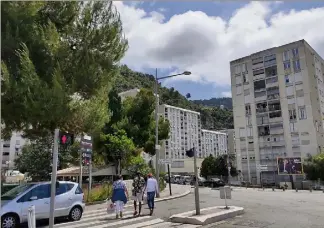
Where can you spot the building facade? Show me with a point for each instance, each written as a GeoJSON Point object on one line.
{"type": "Point", "coordinates": [185, 133]}
{"type": "Point", "coordinates": [231, 148]}
{"type": "Point", "coordinates": [213, 143]}
{"type": "Point", "coordinates": [278, 106]}
{"type": "Point", "coordinates": [11, 149]}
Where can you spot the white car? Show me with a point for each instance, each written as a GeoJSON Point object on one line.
{"type": "Point", "coordinates": [15, 203]}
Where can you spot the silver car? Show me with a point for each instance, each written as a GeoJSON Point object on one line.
{"type": "Point", "coordinates": [15, 203]}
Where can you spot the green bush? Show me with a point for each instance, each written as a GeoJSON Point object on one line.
{"type": "Point", "coordinates": [162, 184]}
{"type": "Point", "coordinates": [98, 193]}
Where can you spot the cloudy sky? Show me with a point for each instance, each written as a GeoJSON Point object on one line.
{"type": "Point", "coordinates": [203, 37]}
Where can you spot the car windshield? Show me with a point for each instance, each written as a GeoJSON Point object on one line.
{"type": "Point", "coordinates": [13, 193]}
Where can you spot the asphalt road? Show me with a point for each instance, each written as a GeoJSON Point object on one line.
{"type": "Point", "coordinates": [263, 209]}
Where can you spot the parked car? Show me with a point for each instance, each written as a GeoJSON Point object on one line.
{"type": "Point", "coordinates": [69, 202]}
{"type": "Point", "coordinates": [175, 179]}
{"type": "Point", "coordinates": [201, 181]}
{"type": "Point", "coordinates": [185, 180]}
{"type": "Point", "coordinates": [214, 182]}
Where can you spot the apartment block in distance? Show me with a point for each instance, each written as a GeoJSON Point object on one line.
{"type": "Point", "coordinates": [230, 139]}
{"type": "Point", "coordinates": [278, 106]}
{"type": "Point", "coordinates": [185, 133]}
{"type": "Point", "coordinates": [213, 143]}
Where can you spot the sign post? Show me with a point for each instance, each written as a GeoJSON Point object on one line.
{"type": "Point", "coordinates": [86, 151]}
{"type": "Point", "coordinates": [168, 162]}
{"type": "Point", "coordinates": [53, 183]}
{"type": "Point", "coordinates": [196, 183]}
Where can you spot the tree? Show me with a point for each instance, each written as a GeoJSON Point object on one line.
{"type": "Point", "coordinates": [217, 166]}
{"type": "Point", "coordinates": [61, 50]}
{"type": "Point", "coordinates": [118, 149]}
{"type": "Point", "coordinates": [139, 121]}
{"type": "Point", "coordinates": [314, 167]}
{"type": "Point", "coordinates": [36, 159]}
{"type": "Point", "coordinates": [208, 166]}
{"type": "Point", "coordinates": [138, 164]}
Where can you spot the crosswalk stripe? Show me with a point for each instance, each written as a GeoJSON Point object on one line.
{"type": "Point", "coordinates": [144, 224]}
{"type": "Point", "coordinates": [104, 213]}
{"type": "Point", "coordinates": [117, 223]}
{"type": "Point", "coordinates": [159, 225]}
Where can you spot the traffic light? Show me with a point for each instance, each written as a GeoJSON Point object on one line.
{"type": "Point", "coordinates": [66, 139]}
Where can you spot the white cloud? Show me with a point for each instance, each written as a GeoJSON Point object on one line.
{"type": "Point", "coordinates": [227, 94]}
{"type": "Point", "coordinates": [205, 45]}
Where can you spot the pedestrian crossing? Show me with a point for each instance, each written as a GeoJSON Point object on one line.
{"type": "Point", "coordinates": [100, 219]}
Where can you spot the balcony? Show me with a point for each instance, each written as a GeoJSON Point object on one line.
{"type": "Point", "coordinates": [272, 82]}
{"type": "Point", "coordinates": [273, 96]}
{"type": "Point", "coordinates": [279, 143]}
{"type": "Point", "coordinates": [262, 107]}
{"type": "Point", "coordinates": [276, 129]}
{"type": "Point", "coordinates": [260, 96]}
{"type": "Point", "coordinates": [270, 60]}
{"type": "Point", "coordinates": [274, 106]}
{"type": "Point", "coordinates": [271, 71]}
{"type": "Point", "coordinates": [258, 74]}
{"type": "Point", "coordinates": [263, 130]}
{"type": "Point", "coordinates": [262, 120]}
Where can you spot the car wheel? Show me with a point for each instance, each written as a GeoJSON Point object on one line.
{"type": "Point", "coordinates": [75, 213]}
{"type": "Point", "coordinates": [9, 221]}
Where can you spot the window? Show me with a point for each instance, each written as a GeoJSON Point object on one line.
{"type": "Point", "coordinates": [41, 192]}
{"type": "Point", "coordinates": [302, 113]}
{"type": "Point", "coordinates": [287, 65]}
{"type": "Point", "coordinates": [238, 80]}
{"type": "Point", "coordinates": [245, 78]}
{"type": "Point", "coordinates": [285, 56]}
{"type": "Point", "coordinates": [296, 65]}
{"type": "Point", "coordinates": [63, 188]}
{"type": "Point", "coordinates": [5, 153]}
{"type": "Point", "coordinates": [248, 109]}
{"type": "Point", "coordinates": [293, 127]}
{"type": "Point", "coordinates": [295, 52]}
{"type": "Point", "coordinates": [292, 114]}
{"type": "Point", "coordinates": [244, 68]}
{"type": "Point", "coordinates": [246, 92]}
{"type": "Point", "coordinates": [249, 132]}
{"type": "Point", "coordinates": [238, 90]}
{"type": "Point", "coordinates": [248, 120]}
{"type": "Point", "coordinates": [237, 69]}
{"type": "Point", "coordinates": [287, 79]}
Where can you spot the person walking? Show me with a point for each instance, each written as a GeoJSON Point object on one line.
{"type": "Point", "coordinates": [119, 196]}
{"type": "Point", "coordinates": [152, 190]}
{"type": "Point", "coordinates": [138, 191]}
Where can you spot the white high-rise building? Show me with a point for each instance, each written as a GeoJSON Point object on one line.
{"type": "Point", "coordinates": [11, 149]}
{"type": "Point", "coordinates": [185, 133]}
{"type": "Point", "coordinates": [213, 143]}
{"type": "Point", "coordinates": [278, 107]}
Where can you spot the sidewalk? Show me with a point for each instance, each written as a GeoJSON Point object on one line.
{"type": "Point", "coordinates": [177, 192]}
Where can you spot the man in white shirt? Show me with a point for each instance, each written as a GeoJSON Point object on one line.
{"type": "Point", "coordinates": [152, 189]}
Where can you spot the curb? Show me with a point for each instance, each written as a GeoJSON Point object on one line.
{"type": "Point", "coordinates": [205, 219]}
{"type": "Point", "coordinates": [156, 199]}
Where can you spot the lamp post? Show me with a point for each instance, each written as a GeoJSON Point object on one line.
{"type": "Point", "coordinates": [157, 147]}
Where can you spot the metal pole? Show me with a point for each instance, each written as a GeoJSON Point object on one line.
{"type": "Point", "coordinates": [157, 152]}
{"type": "Point", "coordinates": [81, 167]}
{"type": "Point", "coordinates": [228, 170]}
{"type": "Point", "coordinates": [196, 184]}
{"type": "Point", "coordinates": [1, 149]}
{"type": "Point", "coordinates": [90, 177]}
{"type": "Point", "coordinates": [53, 184]}
{"type": "Point", "coordinates": [169, 175]}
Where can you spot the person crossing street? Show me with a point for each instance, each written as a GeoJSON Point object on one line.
{"type": "Point", "coordinates": [138, 191]}
{"type": "Point", "coordinates": [152, 190]}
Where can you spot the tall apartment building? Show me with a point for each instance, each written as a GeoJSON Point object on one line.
{"type": "Point", "coordinates": [231, 148]}
{"type": "Point", "coordinates": [185, 133]}
{"type": "Point", "coordinates": [11, 149]}
{"type": "Point", "coordinates": [213, 143]}
{"type": "Point", "coordinates": [278, 106]}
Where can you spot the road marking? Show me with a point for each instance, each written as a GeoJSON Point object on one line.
{"type": "Point", "coordinates": [146, 224]}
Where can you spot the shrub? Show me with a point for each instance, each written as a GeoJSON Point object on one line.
{"type": "Point", "coordinates": [162, 184]}
{"type": "Point", "coordinates": [98, 193]}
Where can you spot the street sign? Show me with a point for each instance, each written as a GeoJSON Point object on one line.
{"type": "Point", "coordinates": [86, 149]}
{"type": "Point", "coordinates": [165, 161]}
{"type": "Point", "coordinates": [262, 167]}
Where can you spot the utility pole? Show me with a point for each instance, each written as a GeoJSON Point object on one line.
{"type": "Point", "coordinates": [196, 184]}
{"type": "Point", "coordinates": [53, 183]}
{"type": "Point", "coordinates": [157, 151]}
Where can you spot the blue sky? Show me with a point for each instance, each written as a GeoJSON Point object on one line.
{"type": "Point", "coordinates": [205, 82]}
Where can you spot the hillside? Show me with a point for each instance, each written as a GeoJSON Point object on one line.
{"type": "Point", "coordinates": [213, 118]}
{"type": "Point", "coordinates": [216, 102]}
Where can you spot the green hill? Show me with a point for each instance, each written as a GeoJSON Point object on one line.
{"type": "Point", "coordinates": [213, 118]}
{"type": "Point", "coordinates": [216, 102]}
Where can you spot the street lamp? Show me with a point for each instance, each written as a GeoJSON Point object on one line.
{"type": "Point", "coordinates": [157, 146]}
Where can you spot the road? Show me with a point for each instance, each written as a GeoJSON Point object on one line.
{"type": "Point", "coordinates": [263, 209]}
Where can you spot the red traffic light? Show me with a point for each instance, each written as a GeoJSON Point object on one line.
{"type": "Point", "coordinates": [63, 139]}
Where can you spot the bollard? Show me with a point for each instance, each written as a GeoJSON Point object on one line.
{"type": "Point", "coordinates": [31, 219]}
{"type": "Point", "coordinates": [273, 188]}
{"type": "Point", "coordinates": [310, 189]}
{"type": "Point", "coordinates": [296, 189]}
{"type": "Point", "coordinates": [283, 189]}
